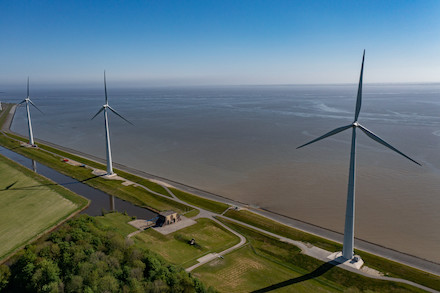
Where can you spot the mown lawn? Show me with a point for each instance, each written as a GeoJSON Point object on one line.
{"type": "Point", "coordinates": [29, 205]}
{"type": "Point", "coordinates": [388, 267]}
{"type": "Point", "coordinates": [270, 257]}
{"type": "Point", "coordinates": [244, 271]}
{"type": "Point", "coordinates": [210, 237]}
{"type": "Point", "coordinates": [117, 222]}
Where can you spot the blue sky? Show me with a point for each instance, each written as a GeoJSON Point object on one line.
{"type": "Point", "coordinates": [218, 42]}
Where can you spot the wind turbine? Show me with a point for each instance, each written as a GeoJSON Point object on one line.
{"type": "Point", "coordinates": [348, 245]}
{"type": "Point", "coordinates": [28, 101]}
{"type": "Point", "coordinates": [107, 135]}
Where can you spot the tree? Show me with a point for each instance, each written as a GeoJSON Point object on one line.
{"type": "Point", "coordinates": [5, 273]}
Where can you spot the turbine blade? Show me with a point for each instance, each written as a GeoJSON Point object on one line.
{"type": "Point", "coordinates": [359, 94]}
{"type": "Point", "coordinates": [333, 132]}
{"type": "Point", "coordinates": [100, 110]}
{"type": "Point", "coordinates": [24, 101]}
{"type": "Point", "coordinates": [373, 136]}
{"type": "Point", "coordinates": [28, 88]}
{"type": "Point", "coordinates": [105, 89]}
{"type": "Point", "coordinates": [35, 106]}
{"type": "Point", "coordinates": [114, 111]}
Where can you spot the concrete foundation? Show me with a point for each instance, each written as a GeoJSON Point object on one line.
{"type": "Point", "coordinates": [356, 262]}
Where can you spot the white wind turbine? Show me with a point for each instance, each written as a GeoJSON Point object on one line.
{"type": "Point", "coordinates": [107, 134]}
{"type": "Point", "coordinates": [28, 101]}
{"type": "Point", "coordinates": [348, 245]}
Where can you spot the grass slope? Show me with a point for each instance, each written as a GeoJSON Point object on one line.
{"type": "Point", "coordinates": [388, 267]}
{"type": "Point", "coordinates": [244, 271]}
{"type": "Point", "coordinates": [280, 229]}
{"type": "Point", "coordinates": [29, 205]}
{"type": "Point", "coordinates": [272, 265]}
{"type": "Point", "coordinates": [136, 195]}
{"type": "Point", "coordinates": [207, 204]}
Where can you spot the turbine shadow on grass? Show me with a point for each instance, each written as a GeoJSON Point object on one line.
{"type": "Point", "coordinates": [316, 273]}
{"type": "Point", "coordinates": [34, 187]}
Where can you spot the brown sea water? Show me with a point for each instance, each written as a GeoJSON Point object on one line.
{"type": "Point", "coordinates": [240, 142]}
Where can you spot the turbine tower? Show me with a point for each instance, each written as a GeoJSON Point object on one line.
{"type": "Point", "coordinates": [107, 134]}
{"type": "Point", "coordinates": [348, 245]}
{"type": "Point", "coordinates": [28, 101]}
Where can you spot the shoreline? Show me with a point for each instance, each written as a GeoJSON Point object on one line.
{"type": "Point", "coordinates": [388, 253]}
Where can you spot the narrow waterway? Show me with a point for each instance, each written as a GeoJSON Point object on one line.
{"type": "Point", "coordinates": [99, 200]}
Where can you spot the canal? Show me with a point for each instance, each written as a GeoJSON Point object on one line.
{"type": "Point", "coordinates": [99, 200]}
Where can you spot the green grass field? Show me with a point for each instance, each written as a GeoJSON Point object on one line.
{"type": "Point", "coordinates": [390, 268]}
{"type": "Point", "coordinates": [270, 265]}
{"type": "Point", "coordinates": [210, 237]}
{"type": "Point", "coordinates": [29, 205]}
{"type": "Point", "coordinates": [244, 271]}
{"type": "Point", "coordinates": [117, 222]}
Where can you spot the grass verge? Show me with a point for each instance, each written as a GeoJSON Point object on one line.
{"type": "Point", "coordinates": [261, 222]}
{"type": "Point", "coordinates": [207, 204]}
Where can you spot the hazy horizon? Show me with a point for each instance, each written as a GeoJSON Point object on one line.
{"type": "Point", "coordinates": [115, 85]}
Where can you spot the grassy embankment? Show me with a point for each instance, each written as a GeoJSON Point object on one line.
{"type": "Point", "coordinates": [204, 203]}
{"type": "Point", "coordinates": [388, 267]}
{"type": "Point", "coordinates": [134, 194]}
{"type": "Point", "coordinates": [30, 205]}
{"type": "Point", "coordinates": [3, 113]}
{"type": "Point", "coordinates": [268, 264]}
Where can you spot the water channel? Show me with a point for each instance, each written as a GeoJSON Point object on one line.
{"type": "Point", "coordinates": [98, 200]}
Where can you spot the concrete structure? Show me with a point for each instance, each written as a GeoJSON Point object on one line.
{"type": "Point", "coordinates": [167, 218]}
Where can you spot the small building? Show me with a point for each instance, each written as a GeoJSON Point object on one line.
{"type": "Point", "coordinates": [167, 218]}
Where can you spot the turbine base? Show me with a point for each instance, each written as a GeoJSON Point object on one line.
{"type": "Point", "coordinates": [356, 262]}
{"type": "Point", "coordinates": [28, 145]}
{"type": "Point", "coordinates": [108, 176]}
